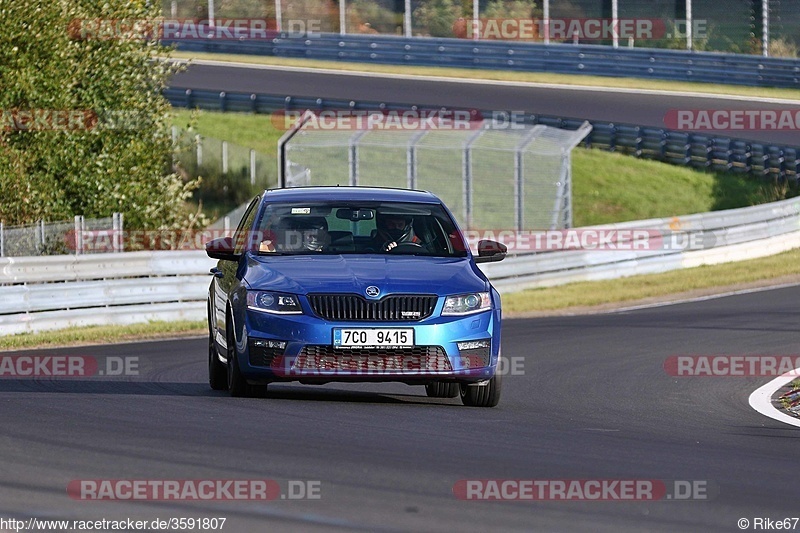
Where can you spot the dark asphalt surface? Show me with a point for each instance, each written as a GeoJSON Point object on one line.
{"type": "Point", "coordinates": [643, 109]}
{"type": "Point", "coordinates": [594, 402]}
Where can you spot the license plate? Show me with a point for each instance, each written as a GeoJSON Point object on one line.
{"type": "Point", "coordinates": [373, 337]}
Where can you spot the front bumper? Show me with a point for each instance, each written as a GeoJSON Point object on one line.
{"type": "Point", "coordinates": [299, 348]}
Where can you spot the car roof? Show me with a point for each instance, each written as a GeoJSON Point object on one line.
{"type": "Point", "coordinates": [349, 193]}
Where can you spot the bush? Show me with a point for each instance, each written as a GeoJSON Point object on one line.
{"type": "Point", "coordinates": [436, 18]}
{"type": "Point", "coordinates": [121, 161]}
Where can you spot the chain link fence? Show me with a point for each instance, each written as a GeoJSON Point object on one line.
{"type": "Point", "coordinates": [78, 236]}
{"type": "Point", "coordinates": [731, 26]}
{"type": "Point", "coordinates": [231, 174]}
{"type": "Point", "coordinates": [493, 175]}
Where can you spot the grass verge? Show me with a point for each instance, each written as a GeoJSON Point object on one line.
{"type": "Point", "coordinates": [503, 75]}
{"type": "Point", "coordinates": [102, 334]}
{"type": "Point", "coordinates": [677, 284]}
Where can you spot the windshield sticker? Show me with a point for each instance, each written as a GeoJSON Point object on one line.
{"type": "Point", "coordinates": [301, 210]}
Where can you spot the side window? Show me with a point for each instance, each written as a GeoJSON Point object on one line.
{"type": "Point", "coordinates": [242, 237]}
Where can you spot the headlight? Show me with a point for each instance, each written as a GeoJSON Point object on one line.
{"type": "Point", "coordinates": [465, 304]}
{"type": "Point", "coordinates": [273, 302]}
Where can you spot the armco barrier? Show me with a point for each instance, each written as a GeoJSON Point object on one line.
{"type": "Point", "coordinates": [594, 60]}
{"type": "Point", "coordinates": [53, 292]}
{"type": "Point", "coordinates": [676, 147]}
{"type": "Point", "coordinates": [42, 293]}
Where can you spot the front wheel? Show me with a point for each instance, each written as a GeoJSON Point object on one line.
{"type": "Point", "coordinates": [482, 395]}
{"type": "Point", "coordinates": [237, 383]}
{"type": "Point", "coordinates": [217, 373]}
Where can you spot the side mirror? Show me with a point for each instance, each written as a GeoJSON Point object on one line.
{"type": "Point", "coordinates": [490, 251]}
{"type": "Point", "coordinates": [222, 248]}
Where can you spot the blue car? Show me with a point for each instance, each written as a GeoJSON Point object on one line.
{"type": "Point", "coordinates": [353, 284]}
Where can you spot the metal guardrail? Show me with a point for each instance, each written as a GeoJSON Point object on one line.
{"type": "Point", "coordinates": [677, 147]}
{"type": "Point", "coordinates": [594, 60]}
{"type": "Point", "coordinates": [53, 292]}
{"type": "Point", "coordinates": [43, 293]}
{"type": "Point", "coordinates": [729, 235]}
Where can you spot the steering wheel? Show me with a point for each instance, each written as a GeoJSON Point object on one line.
{"type": "Point", "coordinates": [407, 246]}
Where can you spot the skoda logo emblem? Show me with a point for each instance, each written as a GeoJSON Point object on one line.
{"type": "Point", "coordinates": [372, 291]}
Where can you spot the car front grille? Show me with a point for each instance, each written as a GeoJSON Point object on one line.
{"type": "Point", "coordinates": [395, 308]}
{"type": "Point", "coordinates": [373, 360]}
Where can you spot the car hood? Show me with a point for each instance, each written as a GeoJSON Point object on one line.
{"type": "Point", "coordinates": [354, 273]}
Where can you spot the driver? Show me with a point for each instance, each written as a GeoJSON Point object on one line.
{"type": "Point", "coordinates": [393, 229]}
{"type": "Point", "coordinates": [306, 233]}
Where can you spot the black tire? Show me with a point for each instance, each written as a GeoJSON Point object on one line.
{"type": "Point", "coordinates": [482, 395]}
{"type": "Point", "coordinates": [237, 384]}
{"type": "Point", "coordinates": [439, 389]}
{"type": "Point", "coordinates": [217, 373]}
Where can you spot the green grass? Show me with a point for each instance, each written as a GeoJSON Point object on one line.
{"type": "Point", "coordinates": [653, 285]}
{"type": "Point", "coordinates": [502, 75]}
{"type": "Point", "coordinates": [102, 334]}
{"type": "Point", "coordinates": [252, 131]}
{"type": "Point", "coordinates": [611, 187]}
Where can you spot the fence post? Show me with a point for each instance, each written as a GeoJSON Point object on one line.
{"type": "Point", "coordinates": [411, 159]}
{"type": "Point", "coordinates": [353, 156]}
{"type": "Point", "coordinates": [252, 167]}
{"type": "Point", "coordinates": [78, 235]}
{"type": "Point", "coordinates": [224, 157]}
{"type": "Point", "coordinates": [41, 235]}
{"type": "Point", "coordinates": [174, 145]}
{"type": "Point", "coordinates": [199, 142]}
{"type": "Point", "coordinates": [466, 174]}
{"type": "Point", "coordinates": [116, 228]}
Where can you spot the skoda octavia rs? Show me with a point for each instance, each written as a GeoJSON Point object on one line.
{"type": "Point", "coordinates": [344, 284]}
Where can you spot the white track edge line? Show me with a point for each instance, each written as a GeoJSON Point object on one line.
{"type": "Point", "coordinates": [761, 398]}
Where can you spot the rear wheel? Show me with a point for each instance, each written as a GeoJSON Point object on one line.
{"type": "Point", "coordinates": [439, 389]}
{"type": "Point", "coordinates": [482, 395]}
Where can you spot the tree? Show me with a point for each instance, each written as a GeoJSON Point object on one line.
{"type": "Point", "coordinates": [91, 63]}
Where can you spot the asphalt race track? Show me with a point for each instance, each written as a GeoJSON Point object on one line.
{"type": "Point", "coordinates": [594, 402]}
{"type": "Point", "coordinates": [609, 105]}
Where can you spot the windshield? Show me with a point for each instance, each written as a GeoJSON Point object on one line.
{"type": "Point", "coordinates": [329, 228]}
